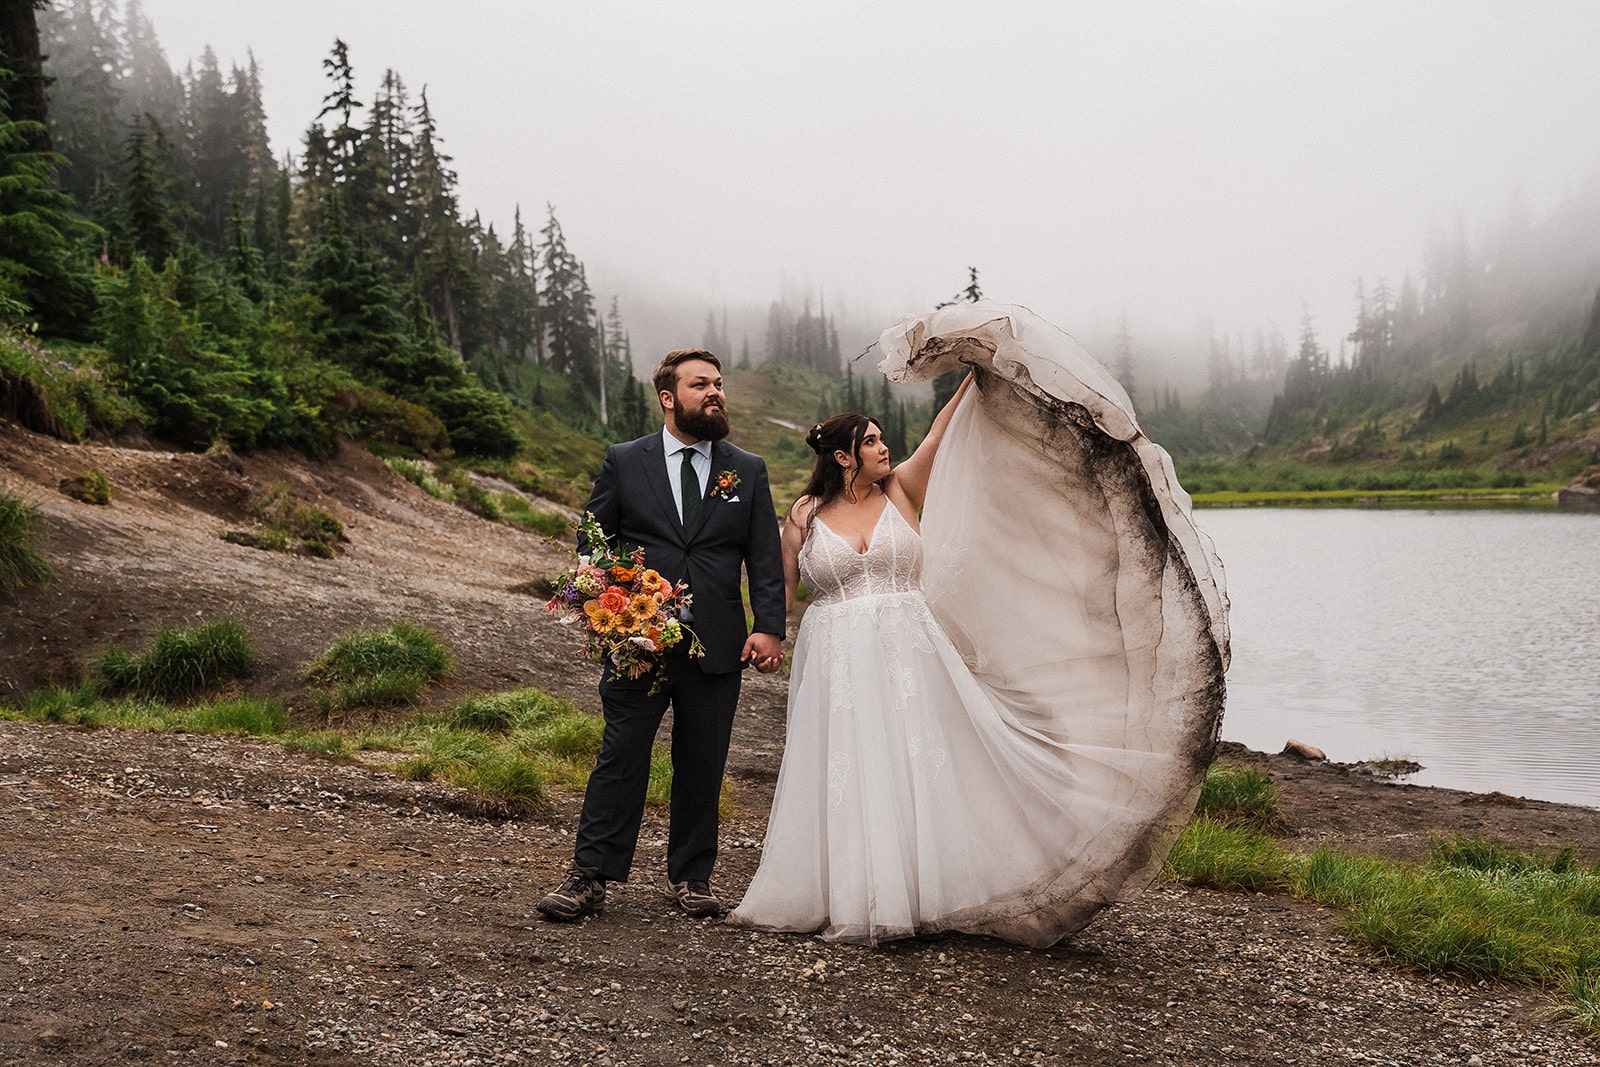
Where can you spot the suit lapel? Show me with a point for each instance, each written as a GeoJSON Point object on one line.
{"type": "Point", "coordinates": [655, 473]}
{"type": "Point", "coordinates": [708, 502]}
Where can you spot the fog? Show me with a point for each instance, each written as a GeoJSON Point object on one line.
{"type": "Point", "coordinates": [1204, 166]}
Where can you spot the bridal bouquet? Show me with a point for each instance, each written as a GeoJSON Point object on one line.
{"type": "Point", "coordinates": [629, 614]}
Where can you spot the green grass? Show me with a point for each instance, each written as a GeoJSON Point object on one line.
{"type": "Point", "coordinates": [1538, 495]}
{"type": "Point", "coordinates": [179, 661]}
{"type": "Point", "coordinates": [420, 474]}
{"type": "Point", "coordinates": [455, 485]}
{"type": "Point", "coordinates": [250, 716]}
{"type": "Point", "coordinates": [21, 565]}
{"type": "Point", "coordinates": [288, 524]}
{"type": "Point", "coordinates": [315, 742]}
{"type": "Point", "coordinates": [1213, 853]}
{"type": "Point", "coordinates": [78, 398]}
{"type": "Point", "coordinates": [1475, 909]}
{"type": "Point", "coordinates": [515, 509]}
{"type": "Point", "coordinates": [87, 706]}
{"type": "Point", "coordinates": [505, 748]}
{"type": "Point", "coordinates": [1239, 793]}
{"type": "Point", "coordinates": [374, 668]}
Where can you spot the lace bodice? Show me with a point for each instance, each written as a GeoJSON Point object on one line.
{"type": "Point", "coordinates": [833, 570]}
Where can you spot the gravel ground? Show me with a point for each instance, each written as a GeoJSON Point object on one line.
{"type": "Point", "coordinates": [218, 900]}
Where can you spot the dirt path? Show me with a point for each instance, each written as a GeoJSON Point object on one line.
{"type": "Point", "coordinates": [213, 900]}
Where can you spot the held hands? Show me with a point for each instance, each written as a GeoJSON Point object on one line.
{"type": "Point", "coordinates": [764, 651]}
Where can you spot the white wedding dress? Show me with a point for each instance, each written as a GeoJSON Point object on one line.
{"type": "Point", "coordinates": [1000, 726]}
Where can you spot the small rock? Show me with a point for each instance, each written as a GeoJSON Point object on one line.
{"type": "Point", "coordinates": [1302, 751]}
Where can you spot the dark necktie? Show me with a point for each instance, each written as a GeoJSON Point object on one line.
{"type": "Point", "coordinates": [689, 486]}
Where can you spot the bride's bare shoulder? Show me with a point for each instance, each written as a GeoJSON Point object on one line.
{"type": "Point", "coordinates": [899, 500]}
{"type": "Point", "coordinates": [801, 510]}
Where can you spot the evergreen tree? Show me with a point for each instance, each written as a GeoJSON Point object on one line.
{"type": "Point", "coordinates": [344, 139]}
{"type": "Point", "coordinates": [518, 299]}
{"type": "Point", "coordinates": [566, 311]}
{"type": "Point", "coordinates": [212, 133]}
{"type": "Point", "coordinates": [41, 272]}
{"type": "Point", "coordinates": [780, 332]}
{"type": "Point", "coordinates": [1124, 353]}
{"type": "Point", "coordinates": [81, 59]}
{"type": "Point", "coordinates": [148, 84]}
{"type": "Point", "coordinates": [148, 224]}
{"type": "Point", "coordinates": [1308, 374]}
{"type": "Point", "coordinates": [442, 251]}
{"type": "Point", "coordinates": [21, 56]}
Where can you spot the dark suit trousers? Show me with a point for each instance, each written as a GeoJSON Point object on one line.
{"type": "Point", "coordinates": [613, 805]}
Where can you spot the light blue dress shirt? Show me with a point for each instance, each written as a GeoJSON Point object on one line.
{"type": "Point", "coordinates": [673, 448]}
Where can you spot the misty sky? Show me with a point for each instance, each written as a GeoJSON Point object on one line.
{"type": "Point", "coordinates": [1182, 161]}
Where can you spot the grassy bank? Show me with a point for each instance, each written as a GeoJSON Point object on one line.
{"type": "Point", "coordinates": [1532, 496]}
{"type": "Point", "coordinates": [501, 749]}
{"type": "Point", "coordinates": [1473, 909]}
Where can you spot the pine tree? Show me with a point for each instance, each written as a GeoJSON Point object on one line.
{"type": "Point", "coordinates": [41, 274]}
{"type": "Point", "coordinates": [1125, 361]}
{"type": "Point", "coordinates": [149, 86]}
{"type": "Point", "coordinates": [21, 56]}
{"type": "Point", "coordinates": [149, 223]}
{"type": "Point", "coordinates": [344, 139]}
{"type": "Point", "coordinates": [518, 304]}
{"type": "Point", "coordinates": [441, 245]}
{"type": "Point", "coordinates": [81, 59]}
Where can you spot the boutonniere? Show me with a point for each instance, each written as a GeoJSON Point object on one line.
{"type": "Point", "coordinates": [725, 484]}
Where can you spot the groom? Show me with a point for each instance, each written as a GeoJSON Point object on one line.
{"type": "Point", "coordinates": [701, 509]}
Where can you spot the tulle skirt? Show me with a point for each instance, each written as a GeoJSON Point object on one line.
{"type": "Point", "coordinates": [1019, 745]}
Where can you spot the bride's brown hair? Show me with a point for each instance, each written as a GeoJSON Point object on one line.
{"type": "Point", "coordinates": [841, 433]}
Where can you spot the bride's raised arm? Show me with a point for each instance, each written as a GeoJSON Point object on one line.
{"type": "Point", "coordinates": [911, 476]}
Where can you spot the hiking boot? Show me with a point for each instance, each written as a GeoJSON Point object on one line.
{"type": "Point", "coordinates": [695, 898]}
{"type": "Point", "coordinates": [583, 893]}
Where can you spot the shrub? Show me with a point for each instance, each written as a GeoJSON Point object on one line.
{"type": "Point", "coordinates": [477, 420]}
{"type": "Point", "coordinates": [90, 487]}
{"type": "Point", "coordinates": [377, 667]}
{"type": "Point", "coordinates": [57, 391]}
{"type": "Point", "coordinates": [385, 423]}
{"type": "Point", "coordinates": [21, 566]}
{"type": "Point", "coordinates": [180, 661]}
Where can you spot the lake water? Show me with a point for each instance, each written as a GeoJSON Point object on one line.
{"type": "Point", "coordinates": [1468, 641]}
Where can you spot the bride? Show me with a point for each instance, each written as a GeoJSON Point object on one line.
{"type": "Point", "coordinates": [999, 715]}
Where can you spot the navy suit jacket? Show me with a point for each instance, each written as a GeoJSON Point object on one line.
{"type": "Point", "coordinates": [632, 499]}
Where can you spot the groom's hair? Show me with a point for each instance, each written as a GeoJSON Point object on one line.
{"type": "Point", "coordinates": [666, 375]}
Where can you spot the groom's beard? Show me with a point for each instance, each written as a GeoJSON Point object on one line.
{"type": "Point", "coordinates": [708, 423]}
